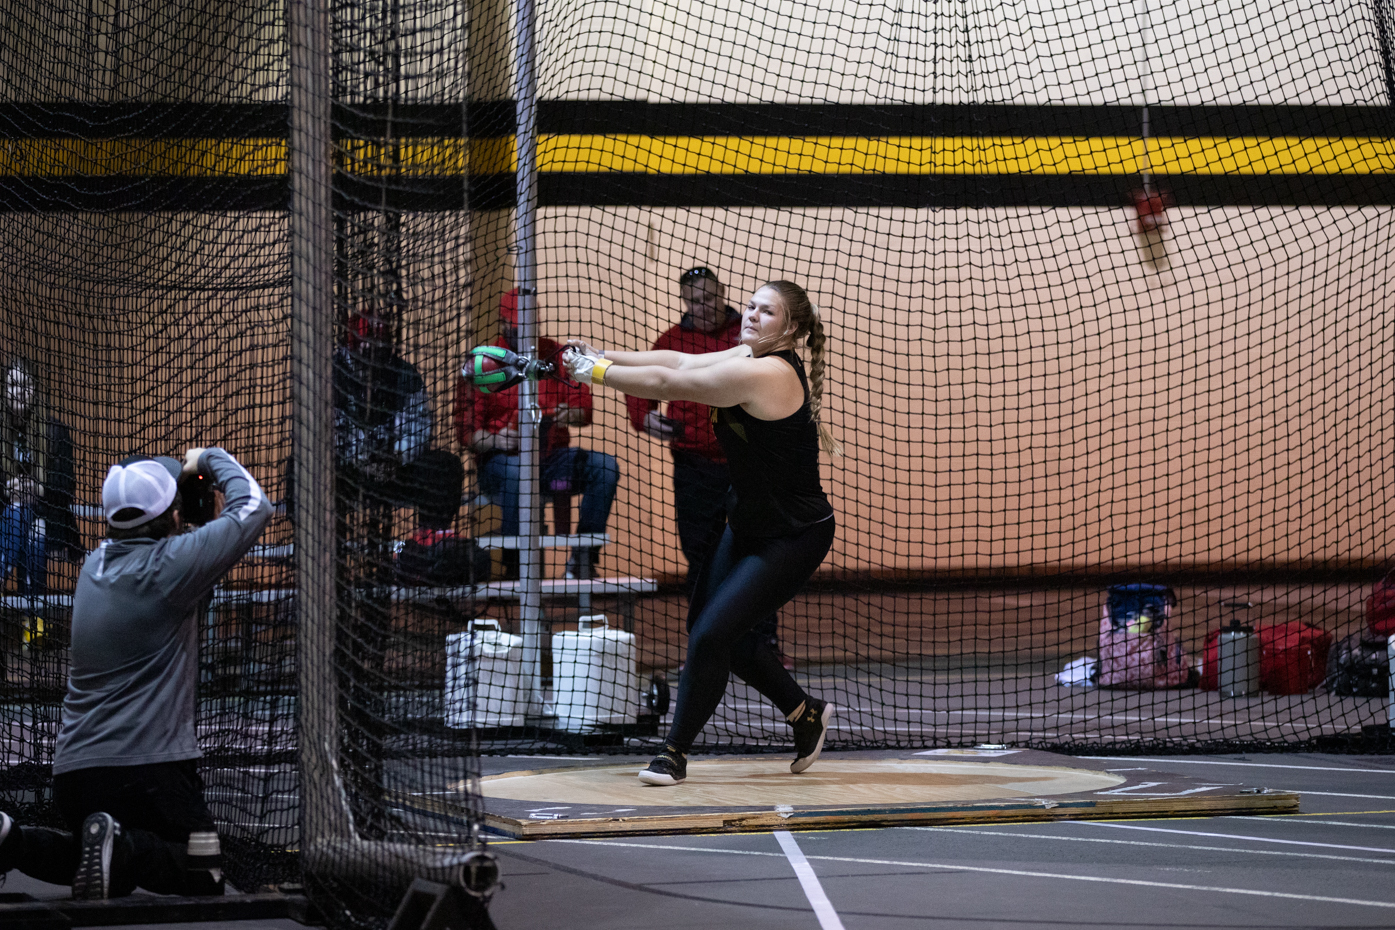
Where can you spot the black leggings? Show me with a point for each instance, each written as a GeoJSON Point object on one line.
{"type": "Point", "coordinates": [747, 581]}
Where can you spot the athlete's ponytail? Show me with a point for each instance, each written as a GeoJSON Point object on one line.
{"type": "Point", "coordinates": [804, 317]}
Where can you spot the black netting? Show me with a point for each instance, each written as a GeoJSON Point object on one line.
{"type": "Point", "coordinates": [1107, 301]}
{"type": "Point", "coordinates": [147, 241]}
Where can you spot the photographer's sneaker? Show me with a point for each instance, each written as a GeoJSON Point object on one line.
{"type": "Point", "coordinates": [810, 727]}
{"type": "Point", "coordinates": [668, 768]}
{"type": "Point", "coordinates": [10, 843]}
{"type": "Point", "coordinates": [93, 879]}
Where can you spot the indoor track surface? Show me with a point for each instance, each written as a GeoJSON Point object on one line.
{"type": "Point", "coordinates": [1331, 866]}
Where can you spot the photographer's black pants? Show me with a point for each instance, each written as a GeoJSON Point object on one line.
{"type": "Point", "coordinates": [157, 806]}
{"type": "Point", "coordinates": [747, 581]}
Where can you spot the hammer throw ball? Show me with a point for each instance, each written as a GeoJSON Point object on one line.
{"type": "Point", "coordinates": [492, 368]}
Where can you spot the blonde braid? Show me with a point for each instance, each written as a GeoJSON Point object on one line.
{"type": "Point", "coordinates": [816, 371]}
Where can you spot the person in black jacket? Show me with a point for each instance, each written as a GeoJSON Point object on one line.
{"type": "Point", "coordinates": [36, 480]}
{"type": "Point", "coordinates": [383, 428]}
{"type": "Point", "coordinates": [780, 525]}
{"type": "Point", "coordinates": [382, 416]}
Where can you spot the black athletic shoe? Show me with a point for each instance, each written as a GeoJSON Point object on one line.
{"type": "Point", "coordinates": [582, 562]}
{"type": "Point", "coordinates": [668, 768]}
{"type": "Point", "coordinates": [810, 727]}
{"type": "Point", "coordinates": [93, 879]}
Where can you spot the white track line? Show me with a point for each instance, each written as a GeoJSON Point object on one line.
{"type": "Point", "coordinates": [1231, 836]}
{"type": "Point", "coordinates": [1251, 765]}
{"type": "Point", "coordinates": [957, 867]}
{"type": "Point", "coordinates": [1318, 823]}
{"type": "Point", "coordinates": [992, 713]}
{"type": "Point", "coordinates": [1225, 849]}
{"type": "Point", "coordinates": [1332, 794]}
{"type": "Point", "coordinates": [823, 908]}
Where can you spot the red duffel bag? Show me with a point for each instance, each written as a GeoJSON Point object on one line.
{"type": "Point", "coordinates": [1292, 658]}
{"type": "Point", "coordinates": [1380, 608]}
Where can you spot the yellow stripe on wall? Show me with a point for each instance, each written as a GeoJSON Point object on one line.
{"type": "Point", "coordinates": [978, 155]}
{"type": "Point", "coordinates": [721, 155]}
{"type": "Point", "coordinates": [195, 158]}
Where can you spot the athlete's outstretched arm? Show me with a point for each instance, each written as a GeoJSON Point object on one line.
{"type": "Point", "coordinates": [767, 387]}
{"type": "Point", "coordinates": [662, 358]}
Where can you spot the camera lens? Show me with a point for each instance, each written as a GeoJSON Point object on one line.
{"type": "Point", "coordinates": [196, 495]}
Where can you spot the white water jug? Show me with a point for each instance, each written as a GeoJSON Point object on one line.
{"type": "Point", "coordinates": [593, 676]}
{"type": "Point", "coordinates": [484, 666]}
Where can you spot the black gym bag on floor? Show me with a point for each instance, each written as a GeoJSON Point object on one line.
{"type": "Point", "coordinates": [1358, 666]}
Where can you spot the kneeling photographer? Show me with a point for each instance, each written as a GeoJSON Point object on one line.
{"type": "Point", "coordinates": [125, 778]}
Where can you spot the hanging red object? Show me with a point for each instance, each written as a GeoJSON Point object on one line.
{"type": "Point", "coordinates": [1150, 208]}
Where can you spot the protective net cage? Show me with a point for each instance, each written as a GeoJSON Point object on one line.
{"type": "Point", "coordinates": [1107, 296]}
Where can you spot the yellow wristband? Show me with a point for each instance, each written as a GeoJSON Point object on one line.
{"type": "Point", "coordinates": [598, 370]}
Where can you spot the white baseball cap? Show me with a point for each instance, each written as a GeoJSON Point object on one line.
{"type": "Point", "coordinates": [141, 484]}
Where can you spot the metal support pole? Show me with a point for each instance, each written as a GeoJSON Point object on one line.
{"type": "Point", "coordinates": [323, 813]}
{"type": "Point", "coordinates": [1390, 682]}
{"type": "Point", "coordinates": [1146, 80]}
{"type": "Point", "coordinates": [329, 843]}
{"type": "Point", "coordinates": [526, 279]}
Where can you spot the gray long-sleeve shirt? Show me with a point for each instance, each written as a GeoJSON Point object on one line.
{"type": "Point", "coordinates": [134, 666]}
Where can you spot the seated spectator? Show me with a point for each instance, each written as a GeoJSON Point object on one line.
{"type": "Point", "coordinates": [382, 427]}
{"type": "Point", "coordinates": [36, 458]}
{"type": "Point", "coordinates": [382, 416]}
{"type": "Point", "coordinates": [487, 424]}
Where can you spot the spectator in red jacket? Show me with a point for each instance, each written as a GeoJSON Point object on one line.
{"type": "Point", "coordinates": [487, 424]}
{"type": "Point", "coordinates": [700, 476]}
{"type": "Point", "coordinates": [701, 480]}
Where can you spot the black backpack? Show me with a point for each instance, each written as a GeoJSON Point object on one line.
{"type": "Point", "coordinates": [450, 561]}
{"type": "Point", "coordinates": [1359, 666]}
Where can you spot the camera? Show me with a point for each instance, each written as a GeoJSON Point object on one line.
{"type": "Point", "coordinates": [197, 503]}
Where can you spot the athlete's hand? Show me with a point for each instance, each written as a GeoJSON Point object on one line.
{"type": "Point", "coordinates": [581, 346]}
{"type": "Point", "coordinates": [578, 364]}
{"type": "Point", "coordinates": [191, 460]}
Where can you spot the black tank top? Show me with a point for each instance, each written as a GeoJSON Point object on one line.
{"type": "Point", "coordinates": [774, 467]}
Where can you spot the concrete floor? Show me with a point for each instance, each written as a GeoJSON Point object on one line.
{"type": "Point", "coordinates": [1332, 866]}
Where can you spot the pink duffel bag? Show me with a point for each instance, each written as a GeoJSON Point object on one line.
{"type": "Point", "coordinates": [1138, 648]}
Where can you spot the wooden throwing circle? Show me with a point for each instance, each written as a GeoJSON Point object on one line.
{"type": "Point", "coordinates": [830, 783]}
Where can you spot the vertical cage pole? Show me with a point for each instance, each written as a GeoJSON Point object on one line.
{"type": "Point", "coordinates": [529, 415]}
{"type": "Point", "coordinates": [1381, 11]}
{"type": "Point", "coordinates": [1146, 81]}
{"type": "Point", "coordinates": [312, 414]}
